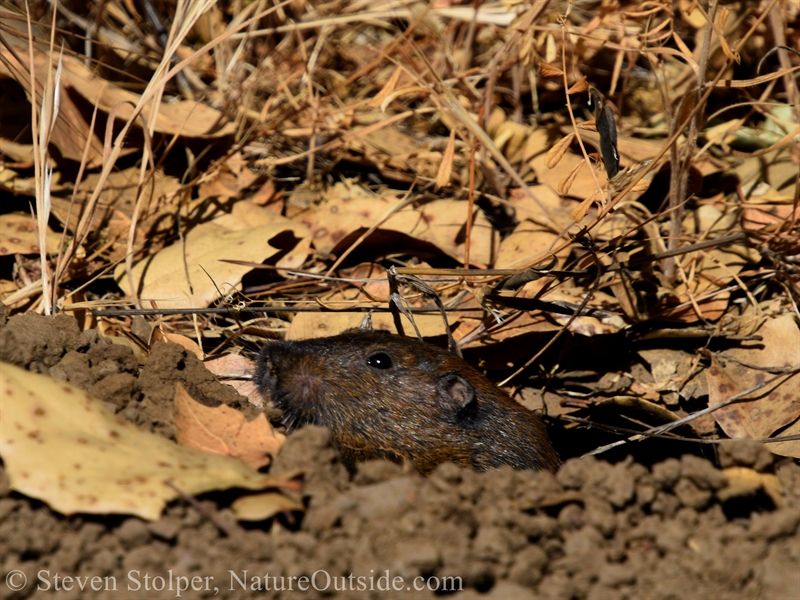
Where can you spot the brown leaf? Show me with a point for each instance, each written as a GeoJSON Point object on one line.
{"type": "Point", "coordinates": [557, 151]}
{"type": "Point", "coordinates": [579, 86]}
{"type": "Point", "coordinates": [719, 28]}
{"type": "Point", "coordinates": [511, 138]}
{"type": "Point", "coordinates": [225, 431]}
{"type": "Point", "coordinates": [528, 208]}
{"type": "Point", "coordinates": [582, 185]}
{"type": "Point", "coordinates": [771, 408]}
{"type": "Point", "coordinates": [565, 184]}
{"type": "Point", "coordinates": [71, 130]}
{"type": "Point", "coordinates": [713, 270]}
{"type": "Point", "coordinates": [307, 325]}
{"type": "Point", "coordinates": [691, 309]}
{"type": "Point", "coordinates": [235, 364]}
{"type": "Point", "coordinates": [228, 181]}
{"type": "Point", "coordinates": [528, 241]}
{"type": "Point", "coordinates": [788, 448]}
{"type": "Point", "coordinates": [546, 70]}
{"type": "Point", "coordinates": [186, 117]}
{"type": "Point", "coordinates": [579, 212]}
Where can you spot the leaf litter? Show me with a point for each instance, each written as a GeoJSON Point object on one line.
{"type": "Point", "coordinates": [55, 432]}
{"type": "Point", "coordinates": [327, 141]}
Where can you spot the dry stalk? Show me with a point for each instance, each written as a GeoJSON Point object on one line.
{"type": "Point", "coordinates": [42, 127]}
{"type": "Point", "coordinates": [153, 90]}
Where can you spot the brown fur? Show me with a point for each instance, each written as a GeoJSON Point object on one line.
{"type": "Point", "coordinates": [385, 396]}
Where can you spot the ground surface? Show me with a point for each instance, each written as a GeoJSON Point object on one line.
{"type": "Point", "coordinates": [635, 528]}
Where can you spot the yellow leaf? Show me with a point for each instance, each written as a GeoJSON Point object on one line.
{"type": "Point", "coordinates": [67, 449]}
{"type": "Point", "coordinates": [163, 277]}
{"type": "Point", "coordinates": [259, 507]}
{"type": "Point", "coordinates": [18, 235]}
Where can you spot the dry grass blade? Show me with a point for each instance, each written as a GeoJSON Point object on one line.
{"type": "Point", "coordinates": [446, 167]}
{"type": "Point", "coordinates": [42, 125]}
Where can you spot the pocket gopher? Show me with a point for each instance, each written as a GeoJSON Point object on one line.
{"type": "Point", "coordinates": [386, 396]}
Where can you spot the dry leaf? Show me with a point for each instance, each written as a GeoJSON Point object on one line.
{"type": "Point", "coordinates": [583, 184]}
{"type": "Point", "coordinates": [186, 117]}
{"type": "Point", "coordinates": [163, 277]}
{"type": "Point", "coordinates": [181, 340]}
{"type": "Point", "coordinates": [787, 448]}
{"type": "Point", "coordinates": [18, 235]}
{"type": "Point", "coordinates": [769, 409]}
{"type": "Point", "coordinates": [235, 364]}
{"type": "Point", "coordinates": [557, 151]}
{"type": "Point", "coordinates": [20, 153]}
{"type": "Point", "coordinates": [225, 431]}
{"type": "Point", "coordinates": [690, 14]}
{"type": "Point", "coordinates": [712, 270]}
{"type": "Point", "coordinates": [67, 449]}
{"type": "Point", "coordinates": [719, 29]}
{"type": "Point", "coordinates": [565, 184]}
{"type": "Point", "coordinates": [743, 481]}
{"type": "Point", "coordinates": [260, 507]}
{"type": "Point", "coordinates": [528, 241]}
{"type": "Point", "coordinates": [630, 148]}
{"type": "Point", "coordinates": [579, 86]}
{"type": "Point", "coordinates": [639, 409]}
{"type": "Point", "coordinates": [265, 194]}
{"type": "Point", "coordinates": [229, 181]}
{"type": "Point", "coordinates": [550, 48]}
{"type": "Point", "coordinates": [308, 325]}
{"type": "Point", "coordinates": [529, 209]}
{"type": "Point", "coordinates": [350, 209]}
{"type": "Point", "coordinates": [546, 70]}
{"type": "Point", "coordinates": [71, 130]}
{"type": "Point", "coordinates": [510, 137]}
{"type": "Point", "coordinates": [579, 212]}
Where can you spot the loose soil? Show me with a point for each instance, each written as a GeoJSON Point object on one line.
{"type": "Point", "coordinates": [635, 526]}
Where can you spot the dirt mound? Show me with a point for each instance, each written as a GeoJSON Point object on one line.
{"type": "Point", "coordinates": [593, 530]}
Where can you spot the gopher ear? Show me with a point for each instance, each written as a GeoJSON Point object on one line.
{"type": "Point", "coordinates": [455, 391]}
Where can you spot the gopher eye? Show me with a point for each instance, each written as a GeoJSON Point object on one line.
{"type": "Point", "coordinates": [380, 360]}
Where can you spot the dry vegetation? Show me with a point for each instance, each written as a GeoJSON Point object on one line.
{"type": "Point", "coordinates": [294, 155]}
